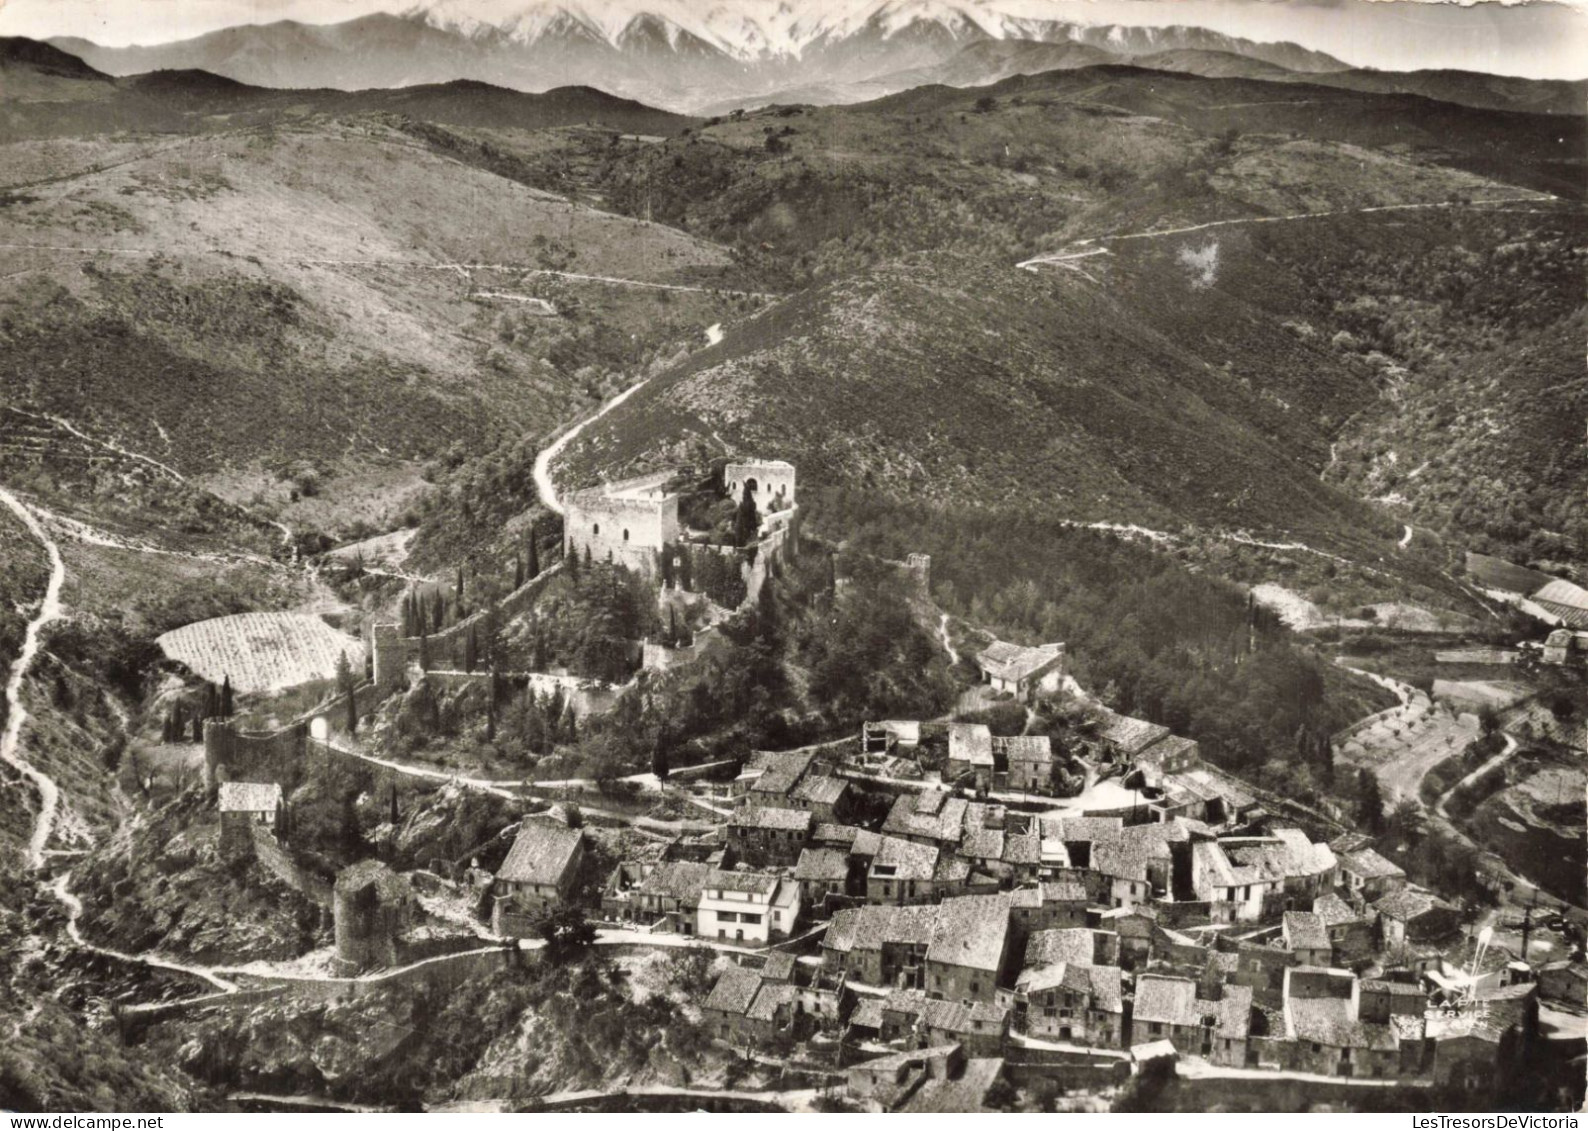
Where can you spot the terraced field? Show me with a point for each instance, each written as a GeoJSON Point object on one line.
{"type": "Point", "coordinates": [262, 651]}
{"type": "Point", "coordinates": [1402, 744]}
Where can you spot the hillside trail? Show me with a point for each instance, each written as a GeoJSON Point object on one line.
{"type": "Point", "coordinates": [1068, 253]}
{"type": "Point", "coordinates": [16, 714]}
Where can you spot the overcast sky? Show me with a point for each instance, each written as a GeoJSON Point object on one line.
{"type": "Point", "coordinates": [1543, 39]}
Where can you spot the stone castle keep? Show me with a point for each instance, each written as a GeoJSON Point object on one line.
{"type": "Point", "coordinates": [630, 521]}
{"type": "Point", "coordinates": [633, 521]}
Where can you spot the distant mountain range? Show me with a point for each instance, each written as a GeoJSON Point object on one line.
{"type": "Point", "coordinates": [725, 56]}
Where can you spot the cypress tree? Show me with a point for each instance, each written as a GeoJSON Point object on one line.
{"type": "Point", "coordinates": [555, 709]}
{"type": "Point", "coordinates": [490, 707]}
{"type": "Point", "coordinates": [518, 572]}
{"type": "Point", "coordinates": [660, 755]}
{"type": "Point", "coordinates": [532, 566]}
{"type": "Point", "coordinates": [344, 688]}
{"type": "Point", "coordinates": [746, 520]}
{"type": "Point", "coordinates": [766, 611]}
{"type": "Point", "coordinates": [198, 727]}
{"type": "Point", "coordinates": [226, 696]}
{"type": "Point", "coordinates": [469, 650]}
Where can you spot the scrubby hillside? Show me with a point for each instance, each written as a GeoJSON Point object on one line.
{"type": "Point", "coordinates": [318, 309]}
{"type": "Point", "coordinates": [945, 379]}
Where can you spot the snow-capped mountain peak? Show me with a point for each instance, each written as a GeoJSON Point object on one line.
{"type": "Point", "coordinates": [743, 29]}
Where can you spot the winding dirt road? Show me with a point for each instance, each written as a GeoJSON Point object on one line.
{"type": "Point", "coordinates": [1092, 243]}
{"type": "Point", "coordinates": [16, 713]}
{"type": "Point", "coordinates": [544, 487]}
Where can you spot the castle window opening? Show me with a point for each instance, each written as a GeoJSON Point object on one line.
{"type": "Point", "coordinates": [625, 536]}
{"type": "Point", "coordinates": [595, 528]}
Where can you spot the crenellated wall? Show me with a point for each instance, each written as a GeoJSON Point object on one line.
{"type": "Point", "coordinates": [444, 650]}
{"type": "Point", "coordinates": [774, 482]}
{"type": "Point", "coordinates": [627, 522]}
{"type": "Point", "coordinates": [586, 696]}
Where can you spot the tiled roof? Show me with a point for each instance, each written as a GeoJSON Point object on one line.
{"type": "Point", "coordinates": [1171, 1001]}
{"type": "Point", "coordinates": [1073, 945]}
{"type": "Point", "coordinates": [868, 1013]}
{"type": "Point", "coordinates": [970, 742]}
{"type": "Point", "coordinates": [971, 931]}
{"type": "Point", "coordinates": [1305, 930]}
{"type": "Point", "coordinates": [1030, 897]}
{"type": "Point", "coordinates": [819, 789]}
{"type": "Point", "coordinates": [677, 879]}
{"type": "Point", "coordinates": [1334, 911]}
{"type": "Point", "coordinates": [1130, 735]}
{"type": "Point", "coordinates": [1369, 864]}
{"type": "Point", "coordinates": [963, 1017]}
{"type": "Point", "coordinates": [1165, 750]}
{"type": "Point", "coordinates": [867, 928]}
{"type": "Point", "coordinates": [1302, 856]}
{"type": "Point", "coordinates": [734, 991]}
{"type": "Point", "coordinates": [1329, 1021]}
{"type": "Point", "coordinates": [932, 813]}
{"type": "Point", "coordinates": [1231, 1014]}
{"type": "Point", "coordinates": [983, 844]}
{"type": "Point", "coordinates": [769, 999]}
{"type": "Point", "coordinates": [828, 833]}
{"type": "Point", "coordinates": [771, 817]}
{"type": "Point", "coordinates": [1263, 860]}
{"type": "Point", "coordinates": [1407, 904]}
{"type": "Point", "coordinates": [249, 797]}
{"type": "Point", "coordinates": [1064, 891]}
{"type": "Point", "coordinates": [1036, 748]}
{"type": "Point", "coordinates": [1089, 829]}
{"type": "Point", "coordinates": [950, 868]}
{"type": "Point", "coordinates": [1125, 859]}
{"type": "Point", "coordinates": [1022, 848]}
{"type": "Point", "coordinates": [1106, 986]}
{"type": "Point", "coordinates": [822, 864]}
{"type": "Point", "coordinates": [1003, 660]}
{"type": "Point", "coordinates": [758, 883]}
{"type": "Point", "coordinates": [542, 853]}
{"type": "Point", "coordinates": [779, 966]}
{"type": "Point", "coordinates": [907, 860]}
{"type": "Point", "coordinates": [782, 772]}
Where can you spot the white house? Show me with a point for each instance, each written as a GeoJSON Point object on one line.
{"type": "Point", "coordinates": [748, 907]}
